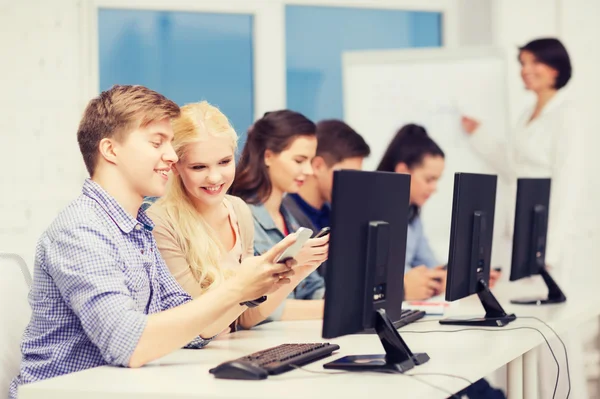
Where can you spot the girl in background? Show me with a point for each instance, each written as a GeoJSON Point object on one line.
{"type": "Point", "coordinates": [275, 161]}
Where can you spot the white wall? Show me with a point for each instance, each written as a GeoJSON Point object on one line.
{"type": "Point", "coordinates": [41, 106]}
{"type": "Point", "coordinates": [580, 29]}
{"type": "Point", "coordinates": [475, 24]}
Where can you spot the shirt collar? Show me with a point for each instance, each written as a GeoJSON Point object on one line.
{"type": "Point", "coordinates": [556, 101]}
{"type": "Point", "coordinates": [262, 216]}
{"type": "Point", "coordinates": [308, 208]}
{"type": "Point", "coordinates": [114, 210]}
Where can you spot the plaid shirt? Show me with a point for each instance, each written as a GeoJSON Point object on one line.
{"type": "Point", "coordinates": [98, 275]}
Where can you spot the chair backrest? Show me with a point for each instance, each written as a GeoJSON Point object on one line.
{"type": "Point", "coordinates": [15, 312]}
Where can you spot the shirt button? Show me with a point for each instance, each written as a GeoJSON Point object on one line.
{"type": "Point", "coordinates": [142, 251]}
{"type": "Point", "coordinates": [138, 227]}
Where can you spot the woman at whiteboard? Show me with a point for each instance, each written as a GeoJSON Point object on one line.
{"type": "Point", "coordinates": [546, 142]}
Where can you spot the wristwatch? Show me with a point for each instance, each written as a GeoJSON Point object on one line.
{"type": "Point", "coordinates": [254, 303]}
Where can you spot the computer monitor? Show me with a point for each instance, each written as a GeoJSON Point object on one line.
{"type": "Point", "coordinates": [471, 235]}
{"type": "Point", "coordinates": [529, 238]}
{"type": "Point", "coordinates": [365, 270]}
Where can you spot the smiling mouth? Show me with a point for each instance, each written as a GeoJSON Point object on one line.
{"type": "Point", "coordinates": [164, 173]}
{"type": "Point", "coordinates": [213, 190]}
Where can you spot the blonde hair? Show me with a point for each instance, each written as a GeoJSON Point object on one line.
{"type": "Point", "coordinates": [199, 242]}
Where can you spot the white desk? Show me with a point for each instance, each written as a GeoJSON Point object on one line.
{"type": "Point", "coordinates": [469, 354]}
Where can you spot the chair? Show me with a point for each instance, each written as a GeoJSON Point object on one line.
{"type": "Point", "coordinates": [15, 281]}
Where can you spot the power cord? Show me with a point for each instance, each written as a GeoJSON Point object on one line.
{"type": "Point", "coordinates": [500, 330]}
{"type": "Point", "coordinates": [383, 371]}
{"type": "Point", "coordinates": [551, 329]}
{"type": "Point", "coordinates": [563, 345]}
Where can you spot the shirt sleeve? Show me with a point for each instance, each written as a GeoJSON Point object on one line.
{"type": "Point", "coordinates": [173, 295]}
{"type": "Point", "coordinates": [568, 181]}
{"type": "Point", "coordinates": [495, 152]}
{"type": "Point", "coordinates": [86, 268]}
{"type": "Point", "coordinates": [423, 253]}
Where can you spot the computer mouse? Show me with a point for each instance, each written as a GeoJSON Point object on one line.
{"type": "Point", "coordinates": [239, 370]}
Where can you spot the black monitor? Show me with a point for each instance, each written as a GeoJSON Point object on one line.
{"type": "Point", "coordinates": [471, 235]}
{"type": "Point", "coordinates": [365, 270]}
{"type": "Point", "coordinates": [529, 238]}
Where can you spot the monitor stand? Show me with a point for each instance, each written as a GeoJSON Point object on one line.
{"type": "Point", "coordinates": [495, 316]}
{"type": "Point", "coordinates": [398, 357]}
{"type": "Point", "coordinates": [555, 294]}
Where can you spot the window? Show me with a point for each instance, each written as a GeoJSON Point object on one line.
{"type": "Point", "coordinates": [317, 36]}
{"type": "Point", "coordinates": [187, 56]}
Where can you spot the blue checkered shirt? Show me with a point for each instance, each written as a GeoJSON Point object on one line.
{"type": "Point", "coordinates": [98, 275]}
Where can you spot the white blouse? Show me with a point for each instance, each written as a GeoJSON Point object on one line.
{"type": "Point", "coordinates": [550, 146]}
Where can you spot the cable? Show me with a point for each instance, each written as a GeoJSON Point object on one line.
{"type": "Point", "coordinates": [563, 345]}
{"type": "Point", "coordinates": [384, 371]}
{"type": "Point", "coordinates": [500, 330]}
{"type": "Point", "coordinates": [445, 375]}
{"type": "Point", "coordinates": [550, 328]}
{"type": "Point", "coordinates": [318, 372]}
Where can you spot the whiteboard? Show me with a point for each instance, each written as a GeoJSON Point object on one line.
{"type": "Point", "coordinates": [384, 90]}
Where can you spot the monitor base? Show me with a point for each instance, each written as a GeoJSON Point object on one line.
{"type": "Point", "coordinates": [555, 294]}
{"type": "Point", "coordinates": [495, 316]}
{"type": "Point", "coordinates": [398, 357]}
{"type": "Point", "coordinates": [539, 301]}
{"type": "Point", "coordinates": [481, 321]}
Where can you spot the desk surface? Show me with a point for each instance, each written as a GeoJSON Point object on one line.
{"type": "Point", "coordinates": [468, 354]}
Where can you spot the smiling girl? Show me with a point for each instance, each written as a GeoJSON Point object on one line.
{"type": "Point", "coordinates": [202, 233]}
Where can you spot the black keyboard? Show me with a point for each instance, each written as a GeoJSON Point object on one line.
{"type": "Point", "coordinates": [271, 361]}
{"type": "Point", "coordinates": [406, 317]}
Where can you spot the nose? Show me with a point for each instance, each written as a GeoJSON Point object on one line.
{"type": "Point", "coordinates": [214, 176]}
{"type": "Point", "coordinates": [170, 156]}
{"type": "Point", "coordinates": [308, 169]}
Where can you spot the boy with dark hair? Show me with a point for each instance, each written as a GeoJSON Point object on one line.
{"type": "Point", "coordinates": [338, 147]}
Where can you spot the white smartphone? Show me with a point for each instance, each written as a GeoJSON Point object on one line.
{"type": "Point", "coordinates": [303, 235]}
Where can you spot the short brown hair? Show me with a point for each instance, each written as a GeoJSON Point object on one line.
{"type": "Point", "coordinates": [337, 141]}
{"type": "Point", "coordinates": [116, 111]}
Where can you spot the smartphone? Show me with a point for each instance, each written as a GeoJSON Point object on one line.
{"type": "Point", "coordinates": [303, 235]}
{"type": "Point", "coordinates": [324, 231]}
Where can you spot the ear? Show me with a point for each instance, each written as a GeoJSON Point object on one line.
{"type": "Point", "coordinates": [401, 168]}
{"type": "Point", "coordinates": [106, 147]}
{"type": "Point", "coordinates": [319, 164]}
{"type": "Point", "coordinates": [174, 169]}
{"type": "Point", "coordinates": [268, 158]}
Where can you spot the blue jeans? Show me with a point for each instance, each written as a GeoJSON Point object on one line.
{"type": "Point", "coordinates": [482, 390]}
